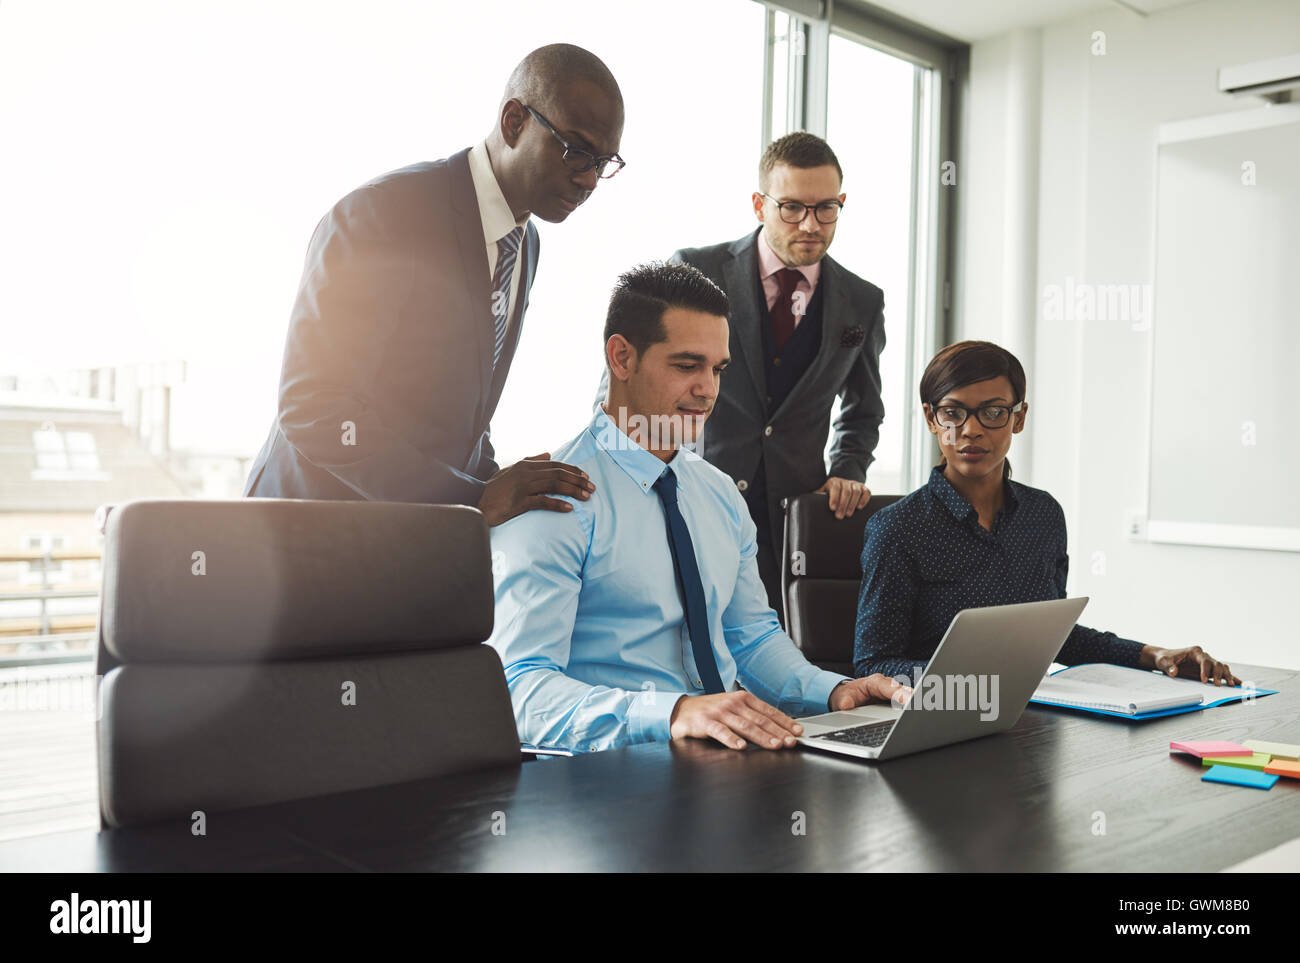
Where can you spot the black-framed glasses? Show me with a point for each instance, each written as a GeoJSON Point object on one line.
{"type": "Point", "coordinates": [578, 160]}
{"type": "Point", "coordinates": [793, 212]}
{"type": "Point", "coordinates": [990, 416]}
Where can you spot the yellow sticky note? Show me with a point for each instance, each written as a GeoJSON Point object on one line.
{"type": "Point", "coordinates": [1278, 750]}
{"type": "Point", "coordinates": [1257, 761]}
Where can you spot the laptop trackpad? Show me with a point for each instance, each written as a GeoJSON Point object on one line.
{"type": "Point", "coordinates": [853, 717]}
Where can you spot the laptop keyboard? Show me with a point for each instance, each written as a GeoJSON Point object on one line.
{"type": "Point", "coordinates": [870, 736]}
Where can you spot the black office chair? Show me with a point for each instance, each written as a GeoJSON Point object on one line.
{"type": "Point", "coordinates": [821, 572]}
{"type": "Point", "coordinates": [268, 650]}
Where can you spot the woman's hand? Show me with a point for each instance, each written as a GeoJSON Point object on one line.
{"type": "Point", "coordinates": [1190, 663]}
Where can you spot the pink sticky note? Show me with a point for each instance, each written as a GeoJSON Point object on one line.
{"type": "Point", "coordinates": [1211, 748]}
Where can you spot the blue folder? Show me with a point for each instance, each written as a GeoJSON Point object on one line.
{"type": "Point", "coordinates": [1238, 693]}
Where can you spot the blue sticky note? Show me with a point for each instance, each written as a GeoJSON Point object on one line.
{"type": "Point", "coordinates": [1239, 777]}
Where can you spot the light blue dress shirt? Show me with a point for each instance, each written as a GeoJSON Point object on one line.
{"type": "Point", "coordinates": [589, 620]}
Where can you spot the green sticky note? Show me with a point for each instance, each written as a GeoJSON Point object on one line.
{"type": "Point", "coordinates": [1278, 750]}
{"type": "Point", "coordinates": [1256, 761]}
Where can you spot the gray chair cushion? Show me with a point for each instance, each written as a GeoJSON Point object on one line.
{"type": "Point", "coordinates": [180, 738]}
{"type": "Point", "coordinates": [291, 579]}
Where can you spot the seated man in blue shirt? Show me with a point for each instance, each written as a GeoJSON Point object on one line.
{"type": "Point", "coordinates": [631, 616]}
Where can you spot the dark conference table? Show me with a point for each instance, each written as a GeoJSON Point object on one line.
{"type": "Point", "coordinates": [1036, 798]}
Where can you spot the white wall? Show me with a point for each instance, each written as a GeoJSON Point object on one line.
{"type": "Point", "coordinates": [1093, 149]}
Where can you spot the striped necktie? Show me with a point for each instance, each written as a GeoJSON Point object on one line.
{"type": "Point", "coordinates": [507, 254]}
{"type": "Point", "coordinates": [688, 580]}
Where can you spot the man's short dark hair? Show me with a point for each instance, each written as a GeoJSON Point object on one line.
{"type": "Point", "coordinates": [643, 294]}
{"type": "Point", "coordinates": [800, 149]}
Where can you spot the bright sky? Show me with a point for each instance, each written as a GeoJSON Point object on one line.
{"type": "Point", "coordinates": [164, 165]}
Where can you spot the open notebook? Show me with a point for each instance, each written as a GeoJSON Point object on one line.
{"type": "Point", "coordinates": [1133, 693]}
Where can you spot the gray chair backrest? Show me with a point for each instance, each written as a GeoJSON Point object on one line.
{"type": "Point", "coordinates": [263, 650]}
{"type": "Point", "coordinates": [821, 572]}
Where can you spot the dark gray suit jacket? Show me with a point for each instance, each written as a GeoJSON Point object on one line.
{"type": "Point", "coordinates": [736, 435]}
{"type": "Point", "coordinates": [392, 333]}
{"type": "Point", "coordinates": [848, 364]}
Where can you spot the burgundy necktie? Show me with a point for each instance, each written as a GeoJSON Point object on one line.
{"type": "Point", "coordinates": [783, 314]}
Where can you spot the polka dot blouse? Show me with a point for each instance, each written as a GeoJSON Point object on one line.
{"type": "Point", "coordinates": [926, 557]}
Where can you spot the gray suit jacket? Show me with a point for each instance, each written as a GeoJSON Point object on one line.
{"type": "Point", "coordinates": [848, 364]}
{"type": "Point", "coordinates": [392, 331]}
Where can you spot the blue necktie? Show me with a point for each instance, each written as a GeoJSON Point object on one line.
{"type": "Point", "coordinates": [507, 254]}
{"type": "Point", "coordinates": [688, 580]}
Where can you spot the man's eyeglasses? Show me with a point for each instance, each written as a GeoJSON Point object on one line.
{"type": "Point", "coordinates": [793, 212]}
{"type": "Point", "coordinates": [579, 160]}
{"type": "Point", "coordinates": [990, 416]}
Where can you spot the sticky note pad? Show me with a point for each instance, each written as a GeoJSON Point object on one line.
{"type": "Point", "coordinates": [1239, 777]}
{"type": "Point", "coordinates": [1212, 748]}
{"type": "Point", "coordinates": [1278, 750]}
{"type": "Point", "coordinates": [1257, 760]}
{"type": "Point", "coordinates": [1284, 767]}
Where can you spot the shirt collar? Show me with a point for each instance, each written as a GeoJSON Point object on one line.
{"type": "Point", "coordinates": [957, 504]}
{"type": "Point", "coordinates": [769, 263]}
{"type": "Point", "coordinates": [492, 207]}
{"type": "Point", "coordinates": [640, 465]}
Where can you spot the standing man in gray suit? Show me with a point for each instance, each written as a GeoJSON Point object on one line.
{"type": "Point", "coordinates": [803, 330]}
{"type": "Point", "coordinates": [412, 300]}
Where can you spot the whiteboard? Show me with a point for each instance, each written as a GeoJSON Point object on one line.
{"type": "Point", "coordinates": [1224, 447]}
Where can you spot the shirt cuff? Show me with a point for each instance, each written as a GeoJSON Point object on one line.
{"type": "Point", "coordinates": [1128, 652]}
{"type": "Point", "coordinates": [853, 471]}
{"type": "Point", "coordinates": [650, 714]}
{"type": "Point", "coordinates": [817, 697]}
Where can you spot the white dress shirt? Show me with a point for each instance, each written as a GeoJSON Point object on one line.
{"type": "Point", "coordinates": [498, 221]}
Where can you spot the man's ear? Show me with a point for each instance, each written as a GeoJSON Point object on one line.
{"type": "Point", "coordinates": [621, 357]}
{"type": "Point", "coordinates": [758, 199]}
{"type": "Point", "coordinates": [512, 121]}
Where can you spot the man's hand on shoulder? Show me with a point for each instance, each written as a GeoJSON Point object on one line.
{"type": "Point", "coordinates": [731, 718]}
{"type": "Point", "coordinates": [852, 693]}
{"type": "Point", "coordinates": [526, 484]}
{"type": "Point", "coordinates": [846, 496]}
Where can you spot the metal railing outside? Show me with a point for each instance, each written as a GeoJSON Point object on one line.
{"type": "Point", "coordinates": [55, 638]}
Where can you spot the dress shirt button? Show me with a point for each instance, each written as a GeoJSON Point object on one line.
{"type": "Point", "coordinates": [743, 485]}
{"type": "Point", "coordinates": [767, 430]}
{"type": "Point", "coordinates": [777, 362]}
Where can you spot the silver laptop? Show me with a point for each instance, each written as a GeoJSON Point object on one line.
{"type": "Point", "coordinates": [978, 682]}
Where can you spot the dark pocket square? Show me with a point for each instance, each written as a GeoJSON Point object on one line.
{"type": "Point", "coordinates": [852, 337]}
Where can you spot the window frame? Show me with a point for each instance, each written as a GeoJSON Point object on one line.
{"type": "Point", "coordinates": [941, 70]}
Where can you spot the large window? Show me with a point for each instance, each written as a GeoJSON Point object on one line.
{"type": "Point", "coordinates": [874, 91]}
{"type": "Point", "coordinates": [872, 105]}
{"type": "Point", "coordinates": [165, 165]}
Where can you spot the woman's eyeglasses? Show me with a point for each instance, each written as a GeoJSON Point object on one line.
{"type": "Point", "coordinates": [990, 416]}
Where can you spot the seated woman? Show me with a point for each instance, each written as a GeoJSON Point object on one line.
{"type": "Point", "coordinates": [972, 537]}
